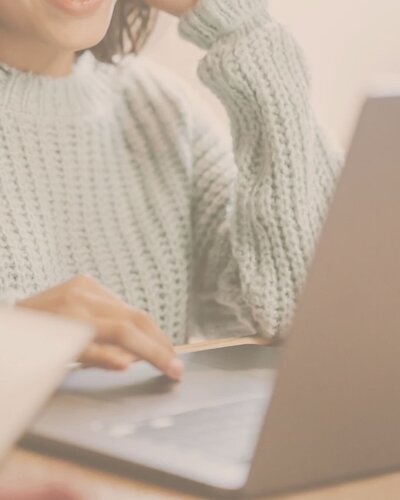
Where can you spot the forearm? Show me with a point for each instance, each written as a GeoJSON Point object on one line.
{"type": "Point", "coordinates": [286, 170]}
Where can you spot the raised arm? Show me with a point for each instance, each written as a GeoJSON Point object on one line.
{"type": "Point", "coordinates": [257, 216]}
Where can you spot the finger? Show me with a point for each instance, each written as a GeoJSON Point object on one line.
{"type": "Point", "coordinates": [104, 306]}
{"type": "Point", "coordinates": [145, 323]}
{"type": "Point", "coordinates": [106, 301]}
{"type": "Point", "coordinates": [133, 340]}
{"type": "Point", "coordinates": [118, 351]}
{"type": "Point", "coordinates": [141, 319]}
{"type": "Point", "coordinates": [108, 357]}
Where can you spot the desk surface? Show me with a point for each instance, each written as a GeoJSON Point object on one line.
{"type": "Point", "coordinates": [25, 467]}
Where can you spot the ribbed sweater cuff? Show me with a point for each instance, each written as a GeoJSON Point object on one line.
{"type": "Point", "coordinates": [212, 19]}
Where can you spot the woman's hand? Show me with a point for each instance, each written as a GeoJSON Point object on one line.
{"type": "Point", "coordinates": [124, 334]}
{"type": "Point", "coordinates": [174, 7]}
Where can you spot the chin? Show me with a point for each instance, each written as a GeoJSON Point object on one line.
{"type": "Point", "coordinates": [76, 40]}
{"type": "Point", "coordinates": [75, 31]}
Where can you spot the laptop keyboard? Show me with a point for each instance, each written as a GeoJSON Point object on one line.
{"type": "Point", "coordinates": [226, 432]}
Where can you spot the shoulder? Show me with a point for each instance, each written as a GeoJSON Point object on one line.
{"type": "Point", "coordinates": [142, 80]}
{"type": "Point", "coordinates": [134, 68]}
{"type": "Point", "coordinates": [144, 83]}
{"type": "Point", "coordinates": [147, 89]}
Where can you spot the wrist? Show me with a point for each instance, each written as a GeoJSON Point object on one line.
{"type": "Point", "coordinates": [176, 8]}
{"type": "Point", "coordinates": [181, 11]}
{"type": "Point", "coordinates": [210, 20]}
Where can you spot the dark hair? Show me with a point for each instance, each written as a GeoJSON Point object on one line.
{"type": "Point", "coordinates": [131, 25]}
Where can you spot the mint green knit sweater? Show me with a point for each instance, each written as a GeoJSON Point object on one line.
{"type": "Point", "coordinates": [116, 172]}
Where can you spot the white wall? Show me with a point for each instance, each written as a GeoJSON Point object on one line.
{"type": "Point", "coordinates": [347, 42]}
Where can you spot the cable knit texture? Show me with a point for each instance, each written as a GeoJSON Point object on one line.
{"type": "Point", "coordinates": [116, 172]}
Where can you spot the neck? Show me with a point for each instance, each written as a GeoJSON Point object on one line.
{"type": "Point", "coordinates": [34, 56]}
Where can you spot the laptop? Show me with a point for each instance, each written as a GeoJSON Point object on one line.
{"type": "Point", "coordinates": [35, 350]}
{"type": "Point", "coordinates": [251, 420]}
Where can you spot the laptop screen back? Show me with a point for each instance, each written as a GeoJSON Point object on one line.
{"type": "Point", "coordinates": [336, 409]}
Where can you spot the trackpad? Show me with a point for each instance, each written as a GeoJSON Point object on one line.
{"type": "Point", "coordinates": [211, 377]}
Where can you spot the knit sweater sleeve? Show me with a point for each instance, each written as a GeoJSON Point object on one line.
{"type": "Point", "coordinates": [258, 211]}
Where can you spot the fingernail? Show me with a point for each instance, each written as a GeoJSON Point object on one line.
{"type": "Point", "coordinates": [175, 369]}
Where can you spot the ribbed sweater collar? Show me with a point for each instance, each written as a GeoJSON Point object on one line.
{"type": "Point", "coordinates": [73, 94]}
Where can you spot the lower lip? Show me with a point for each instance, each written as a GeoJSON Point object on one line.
{"type": "Point", "coordinates": [76, 7]}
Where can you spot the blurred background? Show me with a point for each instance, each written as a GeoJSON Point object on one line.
{"type": "Point", "coordinates": [348, 45]}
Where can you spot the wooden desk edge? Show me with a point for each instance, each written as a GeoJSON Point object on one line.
{"type": "Point", "coordinates": [206, 345]}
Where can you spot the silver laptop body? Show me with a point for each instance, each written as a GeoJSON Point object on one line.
{"type": "Point", "coordinates": [233, 427]}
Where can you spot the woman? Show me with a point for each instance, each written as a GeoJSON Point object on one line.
{"type": "Point", "coordinates": [115, 184]}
